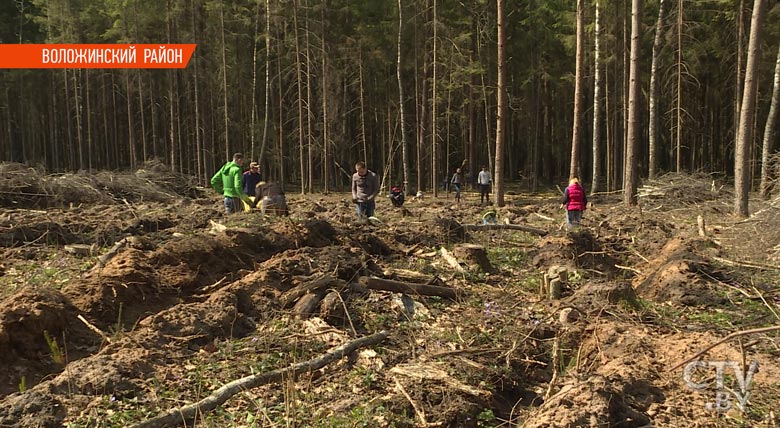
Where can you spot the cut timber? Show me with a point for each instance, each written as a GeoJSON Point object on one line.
{"type": "Point", "coordinates": [81, 249]}
{"type": "Point", "coordinates": [320, 283]}
{"type": "Point", "coordinates": [307, 305]}
{"type": "Point", "coordinates": [451, 260]}
{"type": "Point", "coordinates": [474, 256]}
{"type": "Point", "coordinates": [187, 414]}
{"type": "Point", "coordinates": [408, 287]}
{"type": "Point", "coordinates": [408, 275]}
{"type": "Point", "coordinates": [529, 229]}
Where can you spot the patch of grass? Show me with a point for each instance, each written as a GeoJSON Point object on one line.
{"type": "Point", "coordinates": [530, 283]}
{"type": "Point", "coordinates": [510, 257]}
{"type": "Point", "coordinates": [56, 353]}
{"type": "Point", "coordinates": [54, 269]}
{"type": "Point", "coordinates": [715, 318]}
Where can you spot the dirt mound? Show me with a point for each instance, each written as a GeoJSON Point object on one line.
{"type": "Point", "coordinates": [576, 250]}
{"type": "Point", "coordinates": [125, 289]}
{"type": "Point", "coordinates": [596, 296]}
{"type": "Point", "coordinates": [38, 331]}
{"type": "Point", "coordinates": [679, 274]}
{"type": "Point", "coordinates": [595, 401]}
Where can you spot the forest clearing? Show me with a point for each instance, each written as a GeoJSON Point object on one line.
{"type": "Point", "coordinates": [129, 298]}
{"type": "Point", "coordinates": [119, 306]}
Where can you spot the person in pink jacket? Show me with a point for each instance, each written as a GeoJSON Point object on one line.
{"type": "Point", "coordinates": [575, 201]}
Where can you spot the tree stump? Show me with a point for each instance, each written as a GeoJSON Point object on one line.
{"type": "Point", "coordinates": [554, 281]}
{"type": "Point", "coordinates": [702, 226]}
{"type": "Point", "coordinates": [332, 309]}
{"type": "Point", "coordinates": [474, 256]}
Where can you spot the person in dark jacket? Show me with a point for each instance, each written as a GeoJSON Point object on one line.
{"type": "Point", "coordinates": [397, 196]}
{"type": "Point", "coordinates": [457, 182]}
{"type": "Point", "coordinates": [251, 178]}
{"type": "Point", "coordinates": [575, 201]}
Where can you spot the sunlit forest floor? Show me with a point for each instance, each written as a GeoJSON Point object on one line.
{"type": "Point", "coordinates": [126, 296]}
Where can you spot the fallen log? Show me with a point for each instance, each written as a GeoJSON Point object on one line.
{"type": "Point", "coordinates": [81, 249]}
{"type": "Point", "coordinates": [408, 274]}
{"type": "Point", "coordinates": [307, 305]}
{"type": "Point", "coordinates": [187, 414]}
{"type": "Point", "coordinates": [408, 287]}
{"type": "Point", "coordinates": [320, 283]}
{"type": "Point", "coordinates": [529, 229]}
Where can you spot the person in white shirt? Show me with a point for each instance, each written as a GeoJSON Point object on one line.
{"type": "Point", "coordinates": [483, 179]}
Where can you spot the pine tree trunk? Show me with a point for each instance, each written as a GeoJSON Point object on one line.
{"type": "Point", "coordinates": [769, 130]}
{"type": "Point", "coordinates": [630, 176]}
{"type": "Point", "coordinates": [280, 126]}
{"type": "Point", "coordinates": [745, 135]}
{"type": "Point", "coordinates": [362, 105]}
{"type": "Point", "coordinates": [224, 79]}
{"type": "Point", "coordinates": [434, 99]}
{"type": "Point", "coordinates": [739, 77]}
{"type": "Point", "coordinates": [678, 129]}
{"type": "Point", "coordinates": [144, 148]}
{"type": "Point", "coordinates": [199, 159]}
{"type": "Point", "coordinates": [574, 166]}
{"type": "Point", "coordinates": [88, 120]}
{"type": "Point", "coordinates": [299, 77]}
{"type": "Point", "coordinates": [267, 102]}
{"type": "Point", "coordinates": [404, 143]}
{"type": "Point", "coordinates": [597, 176]}
{"type": "Point", "coordinates": [153, 115]}
{"type": "Point", "coordinates": [608, 119]}
{"type": "Point", "coordinates": [252, 116]}
{"type": "Point", "coordinates": [309, 103]}
{"type": "Point", "coordinates": [653, 92]}
{"type": "Point", "coordinates": [325, 135]}
{"type": "Point", "coordinates": [130, 125]}
{"type": "Point", "coordinates": [77, 110]}
{"type": "Point", "coordinates": [500, 105]}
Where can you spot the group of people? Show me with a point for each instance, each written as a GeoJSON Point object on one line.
{"type": "Point", "coordinates": [483, 181]}
{"type": "Point", "coordinates": [575, 200]}
{"type": "Point", "coordinates": [239, 186]}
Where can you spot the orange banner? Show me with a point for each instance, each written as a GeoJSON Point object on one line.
{"type": "Point", "coordinates": [96, 56]}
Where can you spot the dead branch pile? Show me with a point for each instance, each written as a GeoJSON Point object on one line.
{"type": "Point", "coordinates": [23, 186]}
{"type": "Point", "coordinates": [683, 189]}
{"type": "Point", "coordinates": [18, 183]}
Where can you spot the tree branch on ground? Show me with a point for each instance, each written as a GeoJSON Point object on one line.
{"type": "Point", "coordinates": [185, 415]}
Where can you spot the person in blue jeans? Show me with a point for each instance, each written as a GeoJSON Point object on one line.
{"type": "Point", "coordinates": [229, 181]}
{"type": "Point", "coordinates": [457, 182]}
{"type": "Point", "coordinates": [575, 201]}
{"type": "Point", "coordinates": [365, 187]}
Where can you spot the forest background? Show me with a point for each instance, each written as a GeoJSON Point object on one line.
{"type": "Point", "coordinates": [309, 87]}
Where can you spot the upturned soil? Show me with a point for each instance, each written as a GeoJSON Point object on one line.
{"type": "Point", "coordinates": [116, 309]}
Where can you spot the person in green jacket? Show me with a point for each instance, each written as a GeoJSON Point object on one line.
{"type": "Point", "coordinates": [229, 181]}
